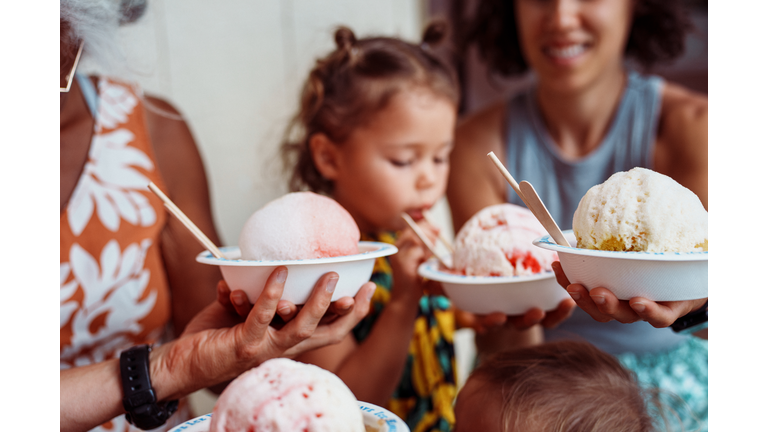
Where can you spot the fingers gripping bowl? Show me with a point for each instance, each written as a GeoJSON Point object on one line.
{"type": "Point", "coordinates": [657, 276]}
{"type": "Point", "coordinates": [251, 275]}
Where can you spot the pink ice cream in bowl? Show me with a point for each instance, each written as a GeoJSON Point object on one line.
{"type": "Point", "coordinates": [283, 395]}
{"type": "Point", "coordinates": [496, 267]}
{"type": "Point", "coordinates": [308, 233]}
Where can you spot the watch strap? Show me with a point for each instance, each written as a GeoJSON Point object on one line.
{"type": "Point", "coordinates": [139, 399]}
{"type": "Point", "coordinates": [692, 319]}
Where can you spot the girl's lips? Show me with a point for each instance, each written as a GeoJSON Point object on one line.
{"type": "Point", "coordinates": [416, 215]}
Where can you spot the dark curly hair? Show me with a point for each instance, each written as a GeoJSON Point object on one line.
{"type": "Point", "coordinates": [657, 34]}
{"type": "Point", "coordinates": [353, 82]}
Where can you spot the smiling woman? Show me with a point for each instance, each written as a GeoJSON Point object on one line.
{"type": "Point", "coordinates": [586, 116]}
{"type": "Point", "coordinates": [654, 33]}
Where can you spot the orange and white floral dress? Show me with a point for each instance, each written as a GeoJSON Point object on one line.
{"type": "Point", "coordinates": [114, 290]}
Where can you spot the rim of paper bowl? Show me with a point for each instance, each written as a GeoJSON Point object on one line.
{"type": "Point", "coordinates": [430, 270]}
{"type": "Point", "coordinates": [395, 423]}
{"type": "Point", "coordinates": [378, 249]}
{"type": "Point", "coordinates": [546, 242]}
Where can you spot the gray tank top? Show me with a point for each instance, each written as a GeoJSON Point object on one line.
{"type": "Point", "coordinates": [533, 156]}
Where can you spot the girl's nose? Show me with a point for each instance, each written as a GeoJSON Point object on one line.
{"type": "Point", "coordinates": [563, 14]}
{"type": "Point", "coordinates": [427, 177]}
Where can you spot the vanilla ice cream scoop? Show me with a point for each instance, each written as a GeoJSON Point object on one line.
{"type": "Point", "coordinates": [283, 395]}
{"type": "Point", "coordinates": [641, 210]}
{"type": "Point", "coordinates": [498, 241]}
{"type": "Point", "coordinates": [300, 225]}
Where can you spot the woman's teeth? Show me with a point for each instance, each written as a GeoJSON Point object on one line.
{"type": "Point", "coordinates": [566, 52]}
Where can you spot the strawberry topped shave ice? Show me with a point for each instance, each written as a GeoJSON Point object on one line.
{"type": "Point", "coordinates": [497, 241]}
{"type": "Point", "coordinates": [283, 395]}
{"type": "Point", "coordinates": [300, 225]}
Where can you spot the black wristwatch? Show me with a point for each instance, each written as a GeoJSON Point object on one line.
{"type": "Point", "coordinates": [692, 321]}
{"type": "Point", "coordinates": [139, 400]}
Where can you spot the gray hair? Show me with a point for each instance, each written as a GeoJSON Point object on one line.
{"type": "Point", "coordinates": [96, 22]}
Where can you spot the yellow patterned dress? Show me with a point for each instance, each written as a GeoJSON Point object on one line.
{"type": "Point", "coordinates": [424, 397]}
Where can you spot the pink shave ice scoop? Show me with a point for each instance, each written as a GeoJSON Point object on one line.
{"type": "Point", "coordinates": [300, 225]}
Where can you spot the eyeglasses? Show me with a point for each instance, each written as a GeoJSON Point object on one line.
{"type": "Point", "coordinates": [71, 74]}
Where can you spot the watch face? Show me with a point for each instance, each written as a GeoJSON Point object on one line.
{"type": "Point", "coordinates": [152, 416]}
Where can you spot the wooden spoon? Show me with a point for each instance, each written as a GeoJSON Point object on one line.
{"type": "Point", "coordinates": [528, 194]}
{"type": "Point", "coordinates": [202, 238]}
{"type": "Point", "coordinates": [423, 237]}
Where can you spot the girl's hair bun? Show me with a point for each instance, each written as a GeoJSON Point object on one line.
{"type": "Point", "coordinates": [435, 33]}
{"type": "Point", "coordinates": [345, 38]}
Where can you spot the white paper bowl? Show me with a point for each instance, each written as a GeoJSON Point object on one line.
{"type": "Point", "coordinates": [512, 295]}
{"type": "Point", "coordinates": [668, 276]}
{"type": "Point", "coordinates": [375, 419]}
{"type": "Point", "coordinates": [250, 276]}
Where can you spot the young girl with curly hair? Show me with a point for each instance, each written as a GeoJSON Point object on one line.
{"type": "Point", "coordinates": [374, 131]}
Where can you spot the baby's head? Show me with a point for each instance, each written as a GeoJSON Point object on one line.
{"type": "Point", "coordinates": [375, 127]}
{"type": "Point", "coordinates": [559, 386]}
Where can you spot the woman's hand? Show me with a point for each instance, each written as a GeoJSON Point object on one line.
{"type": "Point", "coordinates": [603, 306]}
{"type": "Point", "coordinates": [237, 302]}
{"type": "Point", "coordinates": [218, 344]}
{"type": "Point", "coordinates": [484, 323]}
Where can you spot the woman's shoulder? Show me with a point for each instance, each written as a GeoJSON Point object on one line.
{"type": "Point", "coordinates": [683, 136]}
{"type": "Point", "coordinates": [682, 107]}
{"type": "Point", "coordinates": [683, 119]}
{"type": "Point", "coordinates": [476, 136]}
{"type": "Point", "coordinates": [484, 124]}
{"type": "Point", "coordinates": [177, 154]}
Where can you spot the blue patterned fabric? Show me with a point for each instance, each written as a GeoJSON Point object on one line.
{"type": "Point", "coordinates": [678, 381]}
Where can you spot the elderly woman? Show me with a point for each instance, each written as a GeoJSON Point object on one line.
{"type": "Point", "coordinates": [129, 283]}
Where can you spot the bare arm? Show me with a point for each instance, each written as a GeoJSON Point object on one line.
{"type": "Point", "coordinates": [217, 346]}
{"type": "Point", "coordinates": [474, 183]}
{"type": "Point", "coordinates": [193, 285]}
{"type": "Point", "coordinates": [372, 369]}
{"type": "Point", "coordinates": [681, 148]}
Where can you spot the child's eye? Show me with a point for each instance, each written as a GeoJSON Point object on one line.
{"type": "Point", "coordinates": [440, 160]}
{"type": "Point", "coordinates": [400, 163]}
